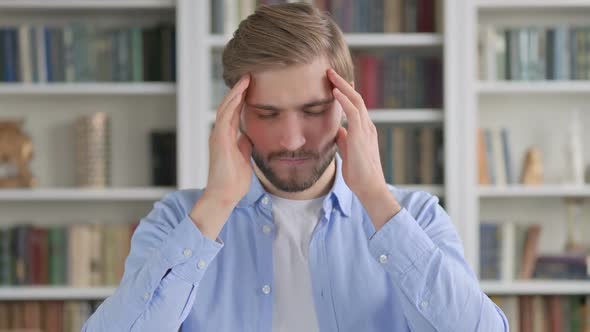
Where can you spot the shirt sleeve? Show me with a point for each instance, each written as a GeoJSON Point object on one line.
{"type": "Point", "coordinates": [168, 258]}
{"type": "Point", "coordinates": [422, 252]}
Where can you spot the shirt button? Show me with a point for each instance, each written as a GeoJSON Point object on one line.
{"type": "Point", "coordinates": [424, 304]}
{"type": "Point", "coordinates": [266, 289]}
{"type": "Point", "coordinates": [383, 259]}
{"type": "Point", "coordinates": [201, 264]}
{"type": "Point", "coordinates": [266, 229]}
{"type": "Point", "coordinates": [265, 200]}
{"type": "Point", "coordinates": [146, 296]}
{"type": "Point", "coordinates": [187, 253]}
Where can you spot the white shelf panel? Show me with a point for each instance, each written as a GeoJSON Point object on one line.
{"type": "Point", "coordinates": [82, 194]}
{"type": "Point", "coordinates": [534, 87]}
{"type": "Point", "coordinates": [399, 40]}
{"type": "Point", "coordinates": [369, 40]}
{"type": "Point", "coordinates": [536, 287]}
{"type": "Point", "coordinates": [406, 115]}
{"type": "Point", "coordinates": [54, 293]}
{"type": "Point", "coordinates": [88, 89]}
{"type": "Point", "coordinates": [517, 4]}
{"type": "Point", "coordinates": [531, 191]}
{"type": "Point", "coordinates": [392, 115]}
{"type": "Point", "coordinates": [85, 4]}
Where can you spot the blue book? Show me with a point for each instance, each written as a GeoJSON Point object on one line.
{"type": "Point", "coordinates": [510, 174]}
{"type": "Point", "coordinates": [562, 53]}
{"type": "Point", "coordinates": [489, 251]}
{"type": "Point", "coordinates": [10, 49]}
{"type": "Point", "coordinates": [1, 55]}
{"type": "Point", "coordinates": [48, 54]}
{"type": "Point", "coordinates": [33, 47]}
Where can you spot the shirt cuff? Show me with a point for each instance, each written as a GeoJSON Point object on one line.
{"type": "Point", "coordinates": [401, 244]}
{"type": "Point", "coordinates": [189, 252]}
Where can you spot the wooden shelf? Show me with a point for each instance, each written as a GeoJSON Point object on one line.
{"type": "Point", "coordinates": [534, 87]}
{"type": "Point", "coordinates": [88, 89]}
{"type": "Point", "coordinates": [23, 293]}
{"type": "Point", "coordinates": [82, 194]}
{"type": "Point", "coordinates": [86, 4]}
{"type": "Point", "coordinates": [536, 287]}
{"type": "Point", "coordinates": [530, 191]}
{"type": "Point", "coordinates": [368, 40]}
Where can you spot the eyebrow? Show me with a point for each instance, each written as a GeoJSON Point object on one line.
{"type": "Point", "coordinates": [306, 105]}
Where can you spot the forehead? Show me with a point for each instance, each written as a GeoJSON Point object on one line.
{"type": "Point", "coordinates": [290, 85]}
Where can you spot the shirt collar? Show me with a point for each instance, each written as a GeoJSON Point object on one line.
{"type": "Point", "coordinates": [340, 194]}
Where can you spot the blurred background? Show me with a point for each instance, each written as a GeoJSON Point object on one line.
{"type": "Point", "coordinates": [106, 106]}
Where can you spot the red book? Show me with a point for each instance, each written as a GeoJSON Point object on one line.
{"type": "Point", "coordinates": [35, 255]}
{"type": "Point", "coordinates": [555, 313]}
{"type": "Point", "coordinates": [526, 313]}
{"type": "Point", "coordinates": [369, 85]}
{"type": "Point", "coordinates": [426, 15]}
{"type": "Point", "coordinates": [54, 313]}
{"type": "Point", "coordinates": [43, 234]}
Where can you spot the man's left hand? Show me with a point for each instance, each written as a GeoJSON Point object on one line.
{"type": "Point", "coordinates": [361, 166]}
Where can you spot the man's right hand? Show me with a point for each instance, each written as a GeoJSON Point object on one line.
{"type": "Point", "coordinates": [230, 172]}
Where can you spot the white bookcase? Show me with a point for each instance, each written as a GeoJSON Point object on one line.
{"type": "Point", "coordinates": [536, 113]}
{"type": "Point", "coordinates": [186, 106]}
{"type": "Point", "coordinates": [49, 111]}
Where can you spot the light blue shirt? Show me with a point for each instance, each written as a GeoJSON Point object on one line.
{"type": "Point", "coordinates": [411, 275]}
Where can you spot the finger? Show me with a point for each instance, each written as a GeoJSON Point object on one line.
{"type": "Point", "coordinates": [236, 116]}
{"type": "Point", "coordinates": [354, 97]}
{"type": "Point", "coordinates": [352, 114]}
{"type": "Point", "coordinates": [341, 142]}
{"type": "Point", "coordinates": [224, 117]}
{"type": "Point", "coordinates": [238, 88]}
{"type": "Point", "coordinates": [245, 146]}
{"type": "Point", "coordinates": [346, 88]}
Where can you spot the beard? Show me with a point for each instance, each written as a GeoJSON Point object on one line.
{"type": "Point", "coordinates": [296, 180]}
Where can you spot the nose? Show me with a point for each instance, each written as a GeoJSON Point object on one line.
{"type": "Point", "coordinates": [291, 135]}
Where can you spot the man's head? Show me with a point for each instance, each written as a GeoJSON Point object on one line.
{"type": "Point", "coordinates": [290, 115]}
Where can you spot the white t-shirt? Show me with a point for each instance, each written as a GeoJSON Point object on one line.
{"type": "Point", "coordinates": [295, 220]}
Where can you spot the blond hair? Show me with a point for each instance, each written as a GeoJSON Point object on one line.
{"type": "Point", "coordinates": [285, 34]}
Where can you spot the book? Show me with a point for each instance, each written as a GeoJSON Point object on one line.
{"type": "Point", "coordinates": [530, 254]}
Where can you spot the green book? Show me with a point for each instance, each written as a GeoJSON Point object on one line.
{"type": "Point", "coordinates": [136, 54]}
{"type": "Point", "coordinates": [6, 264]}
{"type": "Point", "coordinates": [57, 255]}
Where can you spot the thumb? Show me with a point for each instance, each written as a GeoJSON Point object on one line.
{"type": "Point", "coordinates": [245, 146]}
{"type": "Point", "coordinates": [341, 141]}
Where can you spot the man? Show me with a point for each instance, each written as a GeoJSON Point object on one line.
{"type": "Point", "coordinates": [288, 235]}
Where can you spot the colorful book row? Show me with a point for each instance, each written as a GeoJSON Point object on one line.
{"type": "Point", "coordinates": [84, 53]}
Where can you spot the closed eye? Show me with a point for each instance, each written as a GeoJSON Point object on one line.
{"type": "Point", "coordinates": [316, 112]}
{"type": "Point", "coordinates": [266, 114]}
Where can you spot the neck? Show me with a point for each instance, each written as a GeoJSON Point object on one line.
{"type": "Point", "coordinates": [320, 188]}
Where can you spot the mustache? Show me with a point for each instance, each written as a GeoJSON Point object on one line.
{"type": "Point", "coordinates": [299, 154]}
